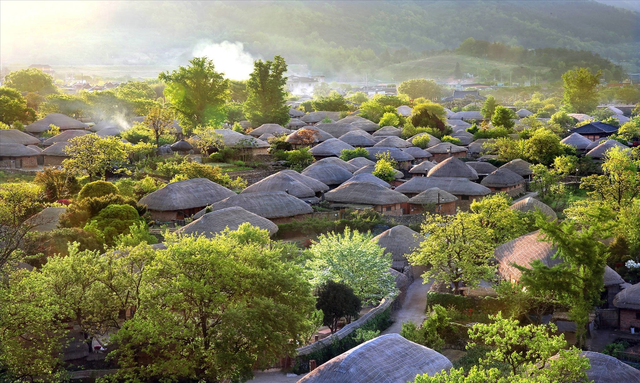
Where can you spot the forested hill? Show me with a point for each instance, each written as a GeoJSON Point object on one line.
{"type": "Point", "coordinates": [330, 36]}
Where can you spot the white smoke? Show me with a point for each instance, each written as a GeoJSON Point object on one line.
{"type": "Point", "coordinates": [228, 58]}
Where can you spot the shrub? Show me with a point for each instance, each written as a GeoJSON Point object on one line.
{"type": "Point", "coordinates": [496, 132]}
{"type": "Point", "coordinates": [97, 189]}
{"type": "Point", "coordinates": [429, 115]}
{"type": "Point", "coordinates": [186, 168]}
{"type": "Point", "coordinates": [300, 158]}
{"type": "Point", "coordinates": [55, 242]}
{"type": "Point", "coordinates": [451, 140]}
{"type": "Point", "coordinates": [389, 119]}
{"type": "Point", "coordinates": [349, 154]}
{"type": "Point", "coordinates": [385, 167]}
{"type": "Point", "coordinates": [112, 221]}
{"type": "Point", "coordinates": [429, 333]}
{"type": "Point", "coordinates": [422, 141]}
{"type": "Point", "coordinates": [79, 213]}
{"type": "Point", "coordinates": [337, 301]}
{"type": "Point", "coordinates": [279, 143]}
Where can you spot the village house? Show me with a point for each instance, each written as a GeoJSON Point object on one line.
{"type": "Point", "coordinates": [530, 204]}
{"type": "Point", "coordinates": [628, 303]}
{"type": "Point", "coordinates": [307, 136]}
{"type": "Point", "coordinates": [210, 224]}
{"type": "Point", "coordinates": [598, 153]}
{"type": "Point", "coordinates": [17, 156]}
{"type": "Point", "coordinates": [595, 130]}
{"type": "Point", "coordinates": [14, 136]}
{"type": "Point", "coordinates": [504, 180]}
{"type": "Point", "coordinates": [60, 120]}
{"type": "Point", "coordinates": [578, 141]}
{"type": "Point", "coordinates": [444, 150]}
{"type": "Point", "coordinates": [433, 200]}
{"type": "Point", "coordinates": [400, 241]}
{"type": "Point", "coordinates": [358, 138]}
{"type": "Point", "coordinates": [278, 207]}
{"type": "Point", "coordinates": [332, 147]}
{"type": "Point", "coordinates": [380, 198]}
{"type": "Point", "coordinates": [55, 154]}
{"type": "Point", "coordinates": [520, 167]}
{"type": "Point", "coordinates": [453, 167]}
{"type": "Point", "coordinates": [403, 159]}
{"type": "Point", "coordinates": [303, 86]}
{"type": "Point", "coordinates": [422, 169]}
{"type": "Point", "coordinates": [465, 190]}
{"type": "Point", "coordinates": [360, 123]}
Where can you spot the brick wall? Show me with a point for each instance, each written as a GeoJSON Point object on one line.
{"type": "Point", "coordinates": [628, 320]}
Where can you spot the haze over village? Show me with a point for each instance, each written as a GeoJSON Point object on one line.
{"type": "Point", "coordinates": [320, 191]}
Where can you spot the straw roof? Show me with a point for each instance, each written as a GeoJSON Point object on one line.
{"type": "Point", "coordinates": [56, 150]}
{"type": "Point", "coordinates": [320, 135]}
{"type": "Point", "coordinates": [360, 162]}
{"type": "Point", "coordinates": [107, 124]}
{"type": "Point", "coordinates": [14, 136]}
{"type": "Point", "coordinates": [233, 138]}
{"type": "Point", "coordinates": [467, 115]}
{"type": "Point", "coordinates": [522, 113]}
{"type": "Point", "coordinates": [335, 161]}
{"type": "Point", "coordinates": [311, 183]}
{"type": "Point", "coordinates": [281, 182]}
{"type": "Point", "coordinates": [60, 120]}
{"type": "Point", "coordinates": [423, 167]}
{"type": "Point", "coordinates": [329, 174]}
{"type": "Point", "coordinates": [47, 219]}
{"type": "Point", "coordinates": [404, 110]}
{"type": "Point", "coordinates": [36, 148]}
{"type": "Point", "coordinates": [358, 138]}
{"type": "Point", "coordinates": [481, 167]}
{"type": "Point", "coordinates": [315, 117]}
{"type": "Point", "coordinates": [433, 195]}
{"type": "Point", "coordinates": [393, 142]}
{"type": "Point", "coordinates": [522, 251]}
{"type": "Point", "coordinates": [417, 153]}
{"type": "Point", "coordinates": [576, 140]}
{"type": "Point", "coordinates": [601, 150]}
{"type": "Point", "coordinates": [446, 147]}
{"type": "Point", "coordinates": [628, 298]}
{"type": "Point", "coordinates": [465, 137]}
{"type": "Point", "coordinates": [580, 116]}
{"type": "Point", "coordinates": [399, 241]}
{"type": "Point", "coordinates": [611, 277]}
{"type": "Point", "coordinates": [395, 153]}
{"type": "Point", "coordinates": [531, 204]}
{"type": "Point", "coordinates": [267, 204]}
{"type": "Point", "coordinates": [65, 136]}
{"type": "Point", "coordinates": [502, 178]}
{"type": "Point", "coordinates": [433, 141]}
{"type": "Point", "coordinates": [274, 129]}
{"type": "Point", "coordinates": [110, 132]}
{"type": "Point", "coordinates": [607, 369]}
{"type": "Point", "coordinates": [365, 193]}
{"type": "Point", "coordinates": [458, 125]}
{"type": "Point", "coordinates": [336, 129]}
{"type": "Point", "coordinates": [215, 222]}
{"type": "Point", "coordinates": [187, 194]}
{"type": "Point", "coordinates": [453, 167]}
{"type": "Point", "coordinates": [295, 113]}
{"type": "Point", "coordinates": [387, 358]}
{"type": "Point", "coordinates": [17, 150]}
{"type": "Point", "coordinates": [331, 147]}
{"type": "Point", "coordinates": [367, 177]}
{"type": "Point", "coordinates": [360, 123]}
{"type": "Point", "coordinates": [477, 146]}
{"type": "Point", "coordinates": [454, 185]}
{"type": "Point", "coordinates": [518, 166]}
{"type": "Point", "coordinates": [295, 123]}
{"type": "Point", "coordinates": [265, 137]}
{"type": "Point", "coordinates": [386, 131]}
{"type": "Point", "coordinates": [370, 168]}
{"type": "Point", "coordinates": [181, 146]}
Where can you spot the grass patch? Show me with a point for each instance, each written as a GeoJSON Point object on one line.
{"type": "Point", "coordinates": [228, 168]}
{"type": "Point", "coordinates": [9, 177]}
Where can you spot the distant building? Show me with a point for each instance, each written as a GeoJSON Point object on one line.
{"type": "Point", "coordinates": [43, 67]}
{"type": "Point", "coordinates": [465, 94]}
{"type": "Point", "coordinates": [301, 86]}
{"type": "Point", "coordinates": [595, 130]}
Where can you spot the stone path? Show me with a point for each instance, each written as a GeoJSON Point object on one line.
{"type": "Point", "coordinates": [413, 308]}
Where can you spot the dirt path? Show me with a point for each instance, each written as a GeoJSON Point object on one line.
{"type": "Point", "coordinates": [413, 307]}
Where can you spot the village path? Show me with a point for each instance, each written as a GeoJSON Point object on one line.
{"type": "Point", "coordinates": [413, 308]}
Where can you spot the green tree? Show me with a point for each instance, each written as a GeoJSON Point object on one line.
{"type": "Point", "coordinates": [429, 333]}
{"type": "Point", "coordinates": [97, 189]}
{"type": "Point", "coordinates": [580, 90]}
{"type": "Point", "coordinates": [238, 91]}
{"type": "Point", "coordinates": [489, 108]}
{"type": "Point", "coordinates": [334, 102]}
{"type": "Point", "coordinates": [197, 92]}
{"type": "Point", "coordinates": [358, 98]}
{"type": "Point", "coordinates": [421, 141]}
{"type": "Point", "coordinates": [505, 148]}
{"type": "Point", "coordinates": [372, 111]}
{"type": "Point", "coordinates": [159, 121]}
{"type": "Point", "coordinates": [93, 155]}
{"type": "Point", "coordinates": [630, 131]}
{"type": "Point", "coordinates": [353, 259]}
{"type": "Point", "coordinates": [13, 107]}
{"type": "Point", "coordinates": [457, 72]}
{"type": "Point", "coordinates": [389, 119]}
{"type": "Point", "coordinates": [420, 87]}
{"type": "Point", "coordinates": [266, 93]}
{"type": "Point", "coordinates": [31, 80]}
{"type": "Point", "coordinates": [429, 115]}
{"type": "Point", "coordinates": [502, 224]}
{"type": "Point", "coordinates": [321, 90]}
{"type": "Point", "coordinates": [134, 90]}
{"type": "Point", "coordinates": [112, 221]}
{"type": "Point", "coordinates": [503, 117]}
{"type": "Point", "coordinates": [543, 147]}
{"type": "Point", "coordinates": [385, 167]}
{"type": "Point", "coordinates": [457, 250]}
{"type": "Point", "coordinates": [337, 301]}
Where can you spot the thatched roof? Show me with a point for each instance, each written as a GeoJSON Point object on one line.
{"type": "Point", "coordinates": [448, 112]}
{"type": "Point", "coordinates": [531, 204]}
{"type": "Point", "coordinates": [576, 140]}
{"type": "Point", "coordinates": [477, 146]}
{"type": "Point", "coordinates": [595, 143]}
{"type": "Point", "coordinates": [336, 129]}
{"type": "Point", "coordinates": [467, 115]}
{"type": "Point", "coordinates": [232, 138]}
{"type": "Point", "coordinates": [17, 150]}
{"type": "Point", "coordinates": [465, 137]}
{"type": "Point", "coordinates": [522, 113]}
{"type": "Point", "coordinates": [370, 168]}
{"type": "Point", "coordinates": [14, 136]}
{"type": "Point", "coordinates": [295, 123]}
{"type": "Point", "coordinates": [273, 129]}
{"type": "Point", "coordinates": [360, 122]}
{"type": "Point", "coordinates": [215, 222]}
{"type": "Point", "coordinates": [187, 194]}
{"type": "Point", "coordinates": [580, 116]}
{"type": "Point", "coordinates": [456, 186]}
{"type": "Point", "coordinates": [367, 177]}
{"type": "Point", "coordinates": [331, 147]}
{"type": "Point", "coordinates": [281, 182]}
{"type": "Point", "coordinates": [265, 137]}
{"type": "Point", "coordinates": [47, 219]}
{"type": "Point", "coordinates": [502, 178]}
{"type": "Point", "coordinates": [64, 136]}
{"type": "Point", "coordinates": [36, 148]}
{"type": "Point", "coordinates": [446, 147]}
{"type": "Point", "coordinates": [110, 132]}
{"type": "Point", "coordinates": [329, 174]}
{"type": "Point", "coordinates": [611, 277]}
{"type": "Point", "coordinates": [628, 298]}
{"type": "Point", "coordinates": [181, 146]}
{"type": "Point", "coordinates": [267, 204]}
{"type": "Point", "coordinates": [387, 358]}
{"type": "Point", "coordinates": [387, 131]}
{"type": "Point", "coordinates": [365, 193]}
{"type": "Point", "coordinates": [433, 141]}
{"type": "Point", "coordinates": [295, 113]}
{"type": "Point", "coordinates": [395, 153]}
{"type": "Point", "coordinates": [393, 142]}
{"type": "Point", "coordinates": [417, 153]}
{"type": "Point", "coordinates": [453, 167]}
{"type": "Point", "coordinates": [433, 195]}
{"type": "Point", "coordinates": [315, 117]}
{"type": "Point", "coordinates": [358, 138]}
{"type": "Point", "coordinates": [458, 125]}
{"type": "Point", "coordinates": [423, 167]}
{"type": "Point", "coordinates": [522, 251]}
{"type": "Point", "coordinates": [311, 183]}
{"type": "Point", "coordinates": [399, 241]}
{"type": "Point", "coordinates": [481, 167]}
{"type": "Point", "coordinates": [404, 110]}
{"type": "Point", "coordinates": [518, 166]}
{"type": "Point", "coordinates": [108, 124]}
{"type": "Point", "coordinates": [320, 135]}
{"type": "Point", "coordinates": [360, 162]}
{"type": "Point", "coordinates": [335, 161]}
{"type": "Point", "coordinates": [607, 369]}
{"type": "Point", "coordinates": [60, 120]}
{"type": "Point", "coordinates": [56, 150]}
{"type": "Point", "coordinates": [601, 150]}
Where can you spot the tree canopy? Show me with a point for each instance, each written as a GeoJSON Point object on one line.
{"type": "Point", "coordinates": [266, 93]}
{"type": "Point", "coordinates": [31, 80]}
{"type": "Point", "coordinates": [580, 90]}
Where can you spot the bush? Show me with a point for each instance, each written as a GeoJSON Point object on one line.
{"type": "Point", "coordinates": [422, 141]}
{"type": "Point", "coordinates": [79, 213]}
{"type": "Point", "coordinates": [497, 132]}
{"type": "Point", "coordinates": [429, 115]}
{"type": "Point", "coordinates": [429, 333]}
{"type": "Point", "coordinates": [337, 301]}
{"type": "Point", "coordinates": [451, 140]}
{"type": "Point", "coordinates": [56, 242]}
{"type": "Point", "coordinates": [112, 221]}
{"type": "Point", "coordinates": [385, 167]}
{"type": "Point", "coordinates": [179, 168]}
{"type": "Point", "coordinates": [97, 189]}
{"type": "Point", "coordinates": [349, 154]}
{"type": "Point", "coordinates": [299, 159]}
{"type": "Point", "coordinates": [389, 119]}
{"type": "Point", "coordinates": [278, 143]}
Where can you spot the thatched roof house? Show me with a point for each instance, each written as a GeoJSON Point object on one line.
{"type": "Point", "coordinates": [232, 138]}
{"type": "Point", "coordinates": [477, 147]}
{"type": "Point", "coordinates": [628, 298]}
{"type": "Point", "coordinates": [382, 199]}
{"type": "Point", "coordinates": [518, 166]}
{"type": "Point", "coordinates": [64, 136]}
{"type": "Point", "coordinates": [393, 142]}
{"type": "Point", "coordinates": [444, 150]}
{"type": "Point", "coordinates": [335, 161]}
{"type": "Point", "coordinates": [211, 224]}
{"type": "Point", "coordinates": [367, 177]}
{"type": "Point", "coordinates": [273, 129]}
{"type": "Point", "coordinates": [55, 154]}
{"type": "Point", "coordinates": [531, 204]}
{"type": "Point", "coordinates": [300, 136]}
{"type": "Point", "coordinates": [522, 251]}
{"type": "Point", "coordinates": [276, 206]}
{"type": "Point", "coordinates": [483, 168]}
{"type": "Point", "coordinates": [422, 168]}
{"type": "Point", "coordinates": [458, 125]}
{"type": "Point", "coordinates": [295, 123]}
{"type": "Point", "coordinates": [358, 138]}
{"type": "Point", "coordinates": [395, 154]}
{"type": "Point", "coordinates": [331, 147]}
{"type": "Point", "coordinates": [404, 110]}
{"type": "Point", "coordinates": [360, 162]}
{"type": "Point", "coordinates": [453, 167]}
{"type": "Point", "coordinates": [60, 120]}
{"type": "Point", "coordinates": [336, 129]}
{"type": "Point", "coordinates": [281, 182]}
{"type": "Point", "coordinates": [295, 113]}
{"type": "Point", "coordinates": [182, 199]}
{"type": "Point", "coordinates": [417, 153]}
{"type": "Point", "coordinates": [399, 241]}
{"type": "Point", "coordinates": [329, 174]}
{"type": "Point", "coordinates": [47, 219]}
{"type": "Point", "coordinates": [312, 183]}
{"type": "Point", "coordinates": [181, 146]}
{"type": "Point", "coordinates": [440, 201]}
{"type": "Point", "coordinates": [466, 191]}
{"type": "Point", "coordinates": [387, 358]}
{"type": "Point", "coordinates": [14, 136]}
{"type": "Point", "coordinates": [315, 117]}
{"type": "Point", "coordinates": [110, 132]}
{"type": "Point", "coordinates": [607, 369]}
{"type": "Point", "coordinates": [467, 115]}
{"type": "Point", "coordinates": [522, 113]}
{"type": "Point", "coordinates": [387, 131]}
{"type": "Point", "coordinates": [360, 123]}
{"type": "Point", "coordinates": [433, 141]}
{"type": "Point", "coordinates": [600, 151]}
{"type": "Point", "coordinates": [465, 137]}
{"type": "Point", "coordinates": [18, 156]}
{"type": "Point", "coordinates": [504, 180]}
{"type": "Point", "coordinates": [577, 141]}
